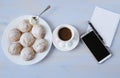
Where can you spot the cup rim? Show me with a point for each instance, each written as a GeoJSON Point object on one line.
{"type": "Point", "coordinates": [65, 26]}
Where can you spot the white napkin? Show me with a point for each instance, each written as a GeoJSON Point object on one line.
{"type": "Point", "coordinates": [105, 22]}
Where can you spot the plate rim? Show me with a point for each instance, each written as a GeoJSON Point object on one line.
{"type": "Point", "coordinates": [5, 31]}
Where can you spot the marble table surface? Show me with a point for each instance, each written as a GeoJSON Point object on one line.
{"type": "Point", "coordinates": [73, 64]}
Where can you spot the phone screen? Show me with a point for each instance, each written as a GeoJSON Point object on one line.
{"type": "Point", "coordinates": [95, 45]}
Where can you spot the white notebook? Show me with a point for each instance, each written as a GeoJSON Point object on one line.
{"type": "Point", "coordinates": [105, 22]}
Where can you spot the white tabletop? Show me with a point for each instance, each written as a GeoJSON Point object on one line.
{"type": "Point", "coordinates": [73, 64]}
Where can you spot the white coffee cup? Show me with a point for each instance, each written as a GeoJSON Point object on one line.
{"type": "Point", "coordinates": [62, 42]}
{"type": "Point", "coordinates": [68, 44]}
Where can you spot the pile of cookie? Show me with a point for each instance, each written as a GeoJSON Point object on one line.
{"type": "Point", "coordinates": [27, 40]}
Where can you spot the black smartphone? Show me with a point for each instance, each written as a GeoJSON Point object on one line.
{"type": "Point", "coordinates": [96, 46]}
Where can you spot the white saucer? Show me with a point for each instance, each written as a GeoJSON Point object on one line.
{"type": "Point", "coordinates": [16, 59]}
{"type": "Point", "coordinates": [61, 45]}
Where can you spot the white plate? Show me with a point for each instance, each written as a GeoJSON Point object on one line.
{"type": "Point", "coordinates": [17, 59]}
{"type": "Point", "coordinates": [61, 45]}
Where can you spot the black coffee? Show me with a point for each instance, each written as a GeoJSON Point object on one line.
{"type": "Point", "coordinates": [64, 34]}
